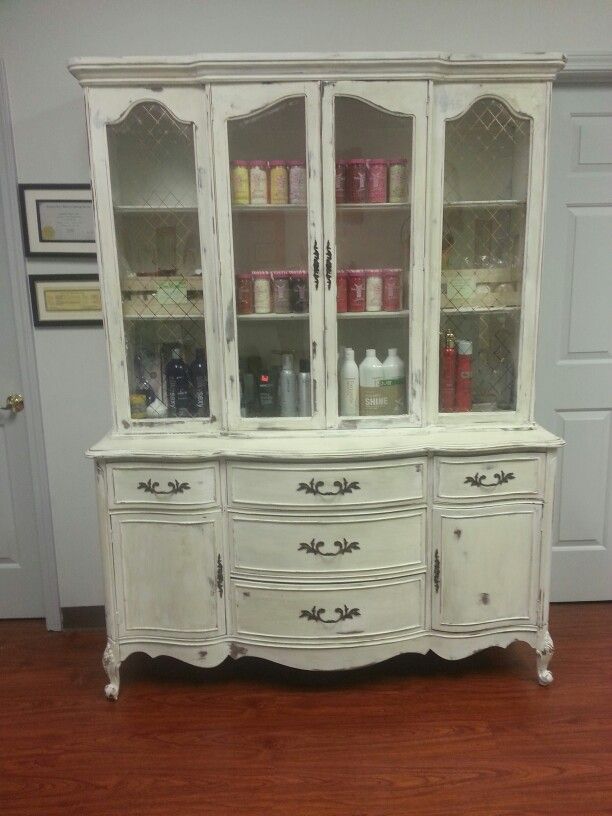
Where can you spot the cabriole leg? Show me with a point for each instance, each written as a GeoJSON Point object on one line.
{"type": "Point", "coordinates": [545, 653]}
{"type": "Point", "coordinates": [111, 665]}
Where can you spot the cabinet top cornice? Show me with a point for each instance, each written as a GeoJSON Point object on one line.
{"type": "Point", "coordinates": [186, 70]}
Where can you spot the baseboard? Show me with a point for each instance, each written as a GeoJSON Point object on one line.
{"type": "Point", "coordinates": [83, 617]}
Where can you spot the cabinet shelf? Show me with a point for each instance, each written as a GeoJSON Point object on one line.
{"type": "Point", "coordinates": [266, 208]}
{"type": "Point", "coordinates": [137, 209]}
{"type": "Point", "coordinates": [378, 207]}
{"type": "Point", "coordinates": [499, 204]}
{"type": "Point", "coordinates": [151, 283]}
{"type": "Point", "coordinates": [372, 315]}
{"type": "Point", "coordinates": [479, 310]}
{"type": "Point", "coordinates": [274, 316]}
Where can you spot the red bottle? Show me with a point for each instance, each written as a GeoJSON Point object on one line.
{"type": "Point", "coordinates": [448, 374]}
{"type": "Point", "coordinates": [463, 388]}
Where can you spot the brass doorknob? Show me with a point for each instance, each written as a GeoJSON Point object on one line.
{"type": "Point", "coordinates": [14, 403]}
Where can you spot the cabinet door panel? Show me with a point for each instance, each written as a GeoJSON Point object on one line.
{"type": "Point", "coordinates": [374, 143]}
{"type": "Point", "coordinates": [268, 188]}
{"type": "Point", "coordinates": [485, 569]}
{"type": "Point", "coordinates": [167, 569]}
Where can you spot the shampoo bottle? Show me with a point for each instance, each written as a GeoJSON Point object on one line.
{"type": "Point", "coordinates": [371, 396]}
{"type": "Point", "coordinates": [394, 383]}
{"type": "Point", "coordinates": [349, 384]}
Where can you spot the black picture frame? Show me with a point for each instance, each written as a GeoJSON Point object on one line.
{"type": "Point", "coordinates": [41, 321]}
{"type": "Point", "coordinates": [31, 196]}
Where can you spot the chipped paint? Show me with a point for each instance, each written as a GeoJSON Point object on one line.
{"type": "Point", "coordinates": [202, 654]}
{"type": "Point", "coordinates": [230, 331]}
{"type": "Point", "coordinates": [236, 650]}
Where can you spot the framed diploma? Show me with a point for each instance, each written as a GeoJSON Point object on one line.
{"type": "Point", "coordinates": [65, 300]}
{"type": "Point", "coordinates": [57, 220]}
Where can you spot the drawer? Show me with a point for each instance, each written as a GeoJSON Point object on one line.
{"type": "Point", "coordinates": [316, 612]}
{"type": "Point", "coordinates": [338, 544]}
{"type": "Point", "coordinates": [490, 477]}
{"type": "Point", "coordinates": [321, 486]}
{"type": "Point", "coordinates": [174, 485]}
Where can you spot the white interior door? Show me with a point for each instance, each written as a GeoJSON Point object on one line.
{"type": "Point", "coordinates": [574, 367]}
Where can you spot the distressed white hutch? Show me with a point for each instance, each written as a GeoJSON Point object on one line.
{"type": "Point", "coordinates": [235, 522]}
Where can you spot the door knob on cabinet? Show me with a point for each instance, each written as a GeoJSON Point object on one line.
{"type": "Point", "coordinates": [14, 404]}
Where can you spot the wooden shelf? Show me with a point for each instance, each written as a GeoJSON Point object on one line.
{"type": "Point", "coordinates": [137, 209]}
{"type": "Point", "coordinates": [262, 208]}
{"type": "Point", "coordinates": [479, 310]}
{"type": "Point", "coordinates": [274, 316]}
{"type": "Point", "coordinates": [371, 315]}
{"type": "Point", "coordinates": [370, 207]}
{"type": "Point", "coordinates": [151, 283]}
{"type": "Point", "coordinates": [500, 204]}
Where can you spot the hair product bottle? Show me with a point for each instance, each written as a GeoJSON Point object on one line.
{"type": "Point", "coordinates": [371, 392]}
{"type": "Point", "coordinates": [463, 388]}
{"type": "Point", "coordinates": [304, 398]}
{"type": "Point", "coordinates": [448, 374]}
{"type": "Point", "coordinates": [394, 383]}
{"type": "Point", "coordinates": [349, 384]}
{"type": "Point", "coordinates": [287, 388]}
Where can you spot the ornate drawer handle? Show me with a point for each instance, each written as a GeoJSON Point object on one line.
{"type": "Point", "coordinates": [313, 488]}
{"type": "Point", "coordinates": [436, 575]}
{"type": "Point", "coordinates": [315, 264]}
{"type": "Point", "coordinates": [328, 266]}
{"type": "Point", "coordinates": [343, 547]}
{"type": "Point", "coordinates": [316, 614]}
{"type": "Point", "coordinates": [478, 480]}
{"type": "Point", "coordinates": [175, 487]}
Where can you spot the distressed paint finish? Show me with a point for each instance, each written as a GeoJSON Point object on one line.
{"type": "Point", "coordinates": [322, 543]}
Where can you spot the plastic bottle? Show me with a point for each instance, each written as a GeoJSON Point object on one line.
{"type": "Point", "coordinates": [304, 389]}
{"type": "Point", "coordinates": [394, 383]}
{"type": "Point", "coordinates": [448, 374]}
{"type": "Point", "coordinates": [177, 385]}
{"type": "Point", "coordinates": [198, 373]}
{"type": "Point", "coordinates": [287, 388]}
{"type": "Point", "coordinates": [371, 395]}
{"type": "Point", "coordinates": [463, 387]}
{"type": "Point", "coordinates": [349, 384]}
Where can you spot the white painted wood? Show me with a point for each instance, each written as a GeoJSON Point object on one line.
{"type": "Point", "coordinates": [321, 612]}
{"type": "Point", "coordinates": [408, 99]}
{"type": "Point", "coordinates": [285, 491]}
{"type": "Point", "coordinates": [476, 478]}
{"type": "Point", "coordinates": [166, 569]}
{"type": "Point", "coordinates": [488, 566]}
{"type": "Point", "coordinates": [574, 370]}
{"type": "Point", "coordinates": [176, 485]}
{"type": "Point", "coordinates": [239, 101]}
{"type": "Point", "coordinates": [321, 487]}
{"type": "Point", "coordinates": [344, 546]}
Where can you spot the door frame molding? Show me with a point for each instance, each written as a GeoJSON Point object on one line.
{"type": "Point", "coordinates": [18, 279]}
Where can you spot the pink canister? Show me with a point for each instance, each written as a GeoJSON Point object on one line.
{"type": "Point", "coordinates": [356, 290]}
{"type": "Point", "coordinates": [342, 290]}
{"type": "Point", "coordinates": [392, 292]}
{"type": "Point", "coordinates": [356, 181]}
{"type": "Point", "coordinates": [377, 180]}
{"type": "Point", "coordinates": [341, 181]}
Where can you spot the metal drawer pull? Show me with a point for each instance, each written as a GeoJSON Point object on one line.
{"type": "Point", "coordinates": [436, 575]}
{"type": "Point", "coordinates": [175, 487]}
{"type": "Point", "coordinates": [315, 264]}
{"type": "Point", "coordinates": [313, 488]}
{"type": "Point", "coordinates": [315, 614]}
{"type": "Point", "coordinates": [343, 547]}
{"type": "Point", "coordinates": [478, 480]}
{"type": "Point", "coordinates": [328, 266]}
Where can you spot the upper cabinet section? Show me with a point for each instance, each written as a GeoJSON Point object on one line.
{"type": "Point", "coordinates": [335, 242]}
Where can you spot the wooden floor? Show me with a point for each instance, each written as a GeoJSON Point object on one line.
{"type": "Point", "coordinates": [416, 735]}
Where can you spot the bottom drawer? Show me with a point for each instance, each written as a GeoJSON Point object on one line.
{"type": "Point", "coordinates": [320, 611]}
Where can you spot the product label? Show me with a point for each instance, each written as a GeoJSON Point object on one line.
{"type": "Point", "coordinates": [396, 395]}
{"type": "Point", "coordinates": [373, 401]}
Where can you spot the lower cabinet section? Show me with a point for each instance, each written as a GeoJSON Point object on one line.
{"type": "Point", "coordinates": [168, 574]}
{"type": "Point", "coordinates": [329, 611]}
{"type": "Point", "coordinates": [485, 566]}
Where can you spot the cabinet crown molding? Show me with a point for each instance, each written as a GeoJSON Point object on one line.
{"type": "Point", "coordinates": [195, 69]}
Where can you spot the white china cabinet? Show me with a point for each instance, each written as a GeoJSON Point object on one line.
{"type": "Point", "coordinates": [320, 278]}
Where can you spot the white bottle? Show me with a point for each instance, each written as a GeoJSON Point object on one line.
{"type": "Point", "coordinates": [287, 388]}
{"type": "Point", "coordinates": [394, 383]}
{"type": "Point", "coordinates": [371, 375]}
{"type": "Point", "coordinates": [349, 384]}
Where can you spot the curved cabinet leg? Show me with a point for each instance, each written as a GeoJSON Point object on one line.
{"type": "Point", "coordinates": [545, 653]}
{"type": "Point", "coordinates": [111, 666]}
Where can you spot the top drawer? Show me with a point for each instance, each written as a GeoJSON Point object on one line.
{"type": "Point", "coordinates": [171, 485]}
{"type": "Point", "coordinates": [321, 486]}
{"type": "Point", "coordinates": [490, 477]}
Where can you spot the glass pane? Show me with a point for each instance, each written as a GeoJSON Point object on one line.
{"type": "Point", "coordinates": [156, 221]}
{"type": "Point", "coordinates": [373, 153]}
{"type": "Point", "coordinates": [270, 233]}
{"type": "Point", "coordinates": [485, 192]}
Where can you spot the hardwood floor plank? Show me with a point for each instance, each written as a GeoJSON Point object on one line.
{"type": "Point", "coordinates": [416, 735]}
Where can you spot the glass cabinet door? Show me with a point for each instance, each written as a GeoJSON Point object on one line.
{"type": "Point", "coordinates": [482, 252]}
{"type": "Point", "coordinates": [373, 143]}
{"type": "Point", "coordinates": [153, 180]}
{"type": "Point", "coordinates": [266, 150]}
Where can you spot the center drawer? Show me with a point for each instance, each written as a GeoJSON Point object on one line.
{"type": "Point", "coordinates": [340, 545]}
{"type": "Point", "coordinates": [317, 486]}
{"type": "Point", "coordinates": [327, 611]}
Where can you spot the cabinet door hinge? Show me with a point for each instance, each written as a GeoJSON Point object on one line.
{"type": "Point", "coordinates": [220, 580]}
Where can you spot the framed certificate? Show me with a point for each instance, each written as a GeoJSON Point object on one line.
{"type": "Point", "coordinates": [57, 220]}
{"type": "Point", "coordinates": [65, 300]}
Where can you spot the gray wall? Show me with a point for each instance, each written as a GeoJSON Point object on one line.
{"type": "Point", "coordinates": [37, 37]}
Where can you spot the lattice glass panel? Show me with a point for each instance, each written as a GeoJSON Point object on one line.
{"type": "Point", "coordinates": [485, 191]}
{"type": "Point", "coordinates": [153, 180]}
